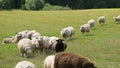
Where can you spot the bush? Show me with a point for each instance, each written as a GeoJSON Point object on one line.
{"type": "Point", "coordinates": [7, 4]}
{"type": "Point", "coordinates": [51, 7]}
{"type": "Point", "coordinates": [34, 4]}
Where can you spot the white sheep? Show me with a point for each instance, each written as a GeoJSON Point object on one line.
{"type": "Point", "coordinates": [24, 46]}
{"type": "Point", "coordinates": [85, 28]}
{"type": "Point", "coordinates": [45, 43]}
{"type": "Point", "coordinates": [117, 19]}
{"type": "Point", "coordinates": [25, 64]}
{"type": "Point", "coordinates": [8, 40]}
{"type": "Point", "coordinates": [29, 34]}
{"type": "Point", "coordinates": [101, 19]}
{"type": "Point", "coordinates": [49, 62]}
{"type": "Point", "coordinates": [35, 34]}
{"type": "Point", "coordinates": [91, 22]}
{"type": "Point", "coordinates": [67, 32]}
{"type": "Point", "coordinates": [37, 42]}
{"type": "Point", "coordinates": [72, 31]}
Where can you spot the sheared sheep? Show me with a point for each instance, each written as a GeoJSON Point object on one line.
{"type": "Point", "coordinates": [85, 28]}
{"type": "Point", "coordinates": [70, 60]}
{"type": "Point", "coordinates": [49, 61]}
{"type": "Point", "coordinates": [91, 22]}
{"type": "Point", "coordinates": [24, 45]}
{"type": "Point", "coordinates": [25, 64]}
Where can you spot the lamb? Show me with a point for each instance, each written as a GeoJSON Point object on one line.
{"type": "Point", "coordinates": [117, 19]}
{"type": "Point", "coordinates": [8, 40]}
{"type": "Point", "coordinates": [85, 28]}
{"type": "Point", "coordinates": [70, 60]}
{"type": "Point", "coordinates": [67, 32]}
{"type": "Point", "coordinates": [101, 19]}
{"type": "Point", "coordinates": [24, 46]}
{"type": "Point", "coordinates": [25, 64]}
{"type": "Point", "coordinates": [57, 44]}
{"type": "Point", "coordinates": [49, 61]}
{"type": "Point", "coordinates": [91, 22]}
{"type": "Point", "coordinates": [18, 37]}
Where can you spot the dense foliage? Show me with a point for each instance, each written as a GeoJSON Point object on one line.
{"type": "Point", "coordinates": [73, 4]}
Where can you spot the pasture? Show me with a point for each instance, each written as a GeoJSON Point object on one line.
{"type": "Point", "coordinates": [101, 45]}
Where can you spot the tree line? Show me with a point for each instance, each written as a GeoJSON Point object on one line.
{"type": "Point", "coordinates": [73, 4]}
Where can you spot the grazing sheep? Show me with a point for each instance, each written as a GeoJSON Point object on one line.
{"type": "Point", "coordinates": [85, 28]}
{"type": "Point", "coordinates": [70, 60]}
{"type": "Point", "coordinates": [101, 19]}
{"type": "Point", "coordinates": [91, 22]}
{"type": "Point", "coordinates": [117, 19]}
{"type": "Point", "coordinates": [57, 44]}
{"type": "Point", "coordinates": [37, 42]}
{"type": "Point", "coordinates": [25, 64]}
{"type": "Point", "coordinates": [8, 40]}
{"type": "Point", "coordinates": [24, 45]}
{"type": "Point", "coordinates": [49, 62]}
{"type": "Point", "coordinates": [17, 38]}
{"type": "Point", "coordinates": [45, 43]}
{"type": "Point", "coordinates": [67, 32]}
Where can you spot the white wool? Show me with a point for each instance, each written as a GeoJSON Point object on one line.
{"type": "Point", "coordinates": [25, 44]}
{"type": "Point", "coordinates": [25, 64]}
{"type": "Point", "coordinates": [91, 22]}
{"type": "Point", "coordinates": [49, 61]}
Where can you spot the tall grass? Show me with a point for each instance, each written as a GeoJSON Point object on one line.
{"type": "Point", "coordinates": [101, 46]}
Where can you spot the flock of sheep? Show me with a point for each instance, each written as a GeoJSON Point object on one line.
{"type": "Point", "coordinates": [32, 41]}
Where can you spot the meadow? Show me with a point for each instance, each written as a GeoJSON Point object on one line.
{"type": "Point", "coordinates": [101, 45]}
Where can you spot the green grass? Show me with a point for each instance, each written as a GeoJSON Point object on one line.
{"type": "Point", "coordinates": [101, 46]}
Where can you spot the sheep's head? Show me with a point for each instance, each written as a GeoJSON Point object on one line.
{"type": "Point", "coordinates": [88, 64]}
{"type": "Point", "coordinates": [28, 50]}
{"type": "Point", "coordinates": [82, 29]}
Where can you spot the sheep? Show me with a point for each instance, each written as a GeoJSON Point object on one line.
{"type": "Point", "coordinates": [37, 42]}
{"type": "Point", "coordinates": [49, 61]}
{"type": "Point", "coordinates": [91, 22]}
{"type": "Point", "coordinates": [35, 34]}
{"type": "Point", "coordinates": [85, 28]}
{"type": "Point", "coordinates": [67, 32]}
{"type": "Point", "coordinates": [70, 60]}
{"type": "Point", "coordinates": [45, 44]}
{"type": "Point", "coordinates": [101, 19]}
{"type": "Point", "coordinates": [72, 31]}
{"type": "Point", "coordinates": [8, 40]}
{"type": "Point", "coordinates": [24, 46]}
{"type": "Point", "coordinates": [57, 44]}
{"type": "Point", "coordinates": [117, 19]}
{"type": "Point", "coordinates": [17, 38]}
{"type": "Point", "coordinates": [29, 34]}
{"type": "Point", "coordinates": [25, 64]}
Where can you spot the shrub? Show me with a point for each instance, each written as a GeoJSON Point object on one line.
{"type": "Point", "coordinates": [34, 4]}
{"type": "Point", "coordinates": [51, 7]}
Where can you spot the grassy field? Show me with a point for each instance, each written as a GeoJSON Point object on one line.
{"type": "Point", "coordinates": [101, 46]}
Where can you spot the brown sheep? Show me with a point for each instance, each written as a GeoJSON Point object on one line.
{"type": "Point", "coordinates": [70, 60]}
